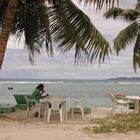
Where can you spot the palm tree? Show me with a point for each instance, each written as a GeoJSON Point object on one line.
{"type": "Point", "coordinates": [5, 27]}
{"type": "Point", "coordinates": [59, 20]}
{"type": "Point", "coordinates": [130, 33]}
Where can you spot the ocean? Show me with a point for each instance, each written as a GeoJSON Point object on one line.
{"type": "Point", "coordinates": [91, 92]}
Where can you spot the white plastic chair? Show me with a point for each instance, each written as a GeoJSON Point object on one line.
{"type": "Point", "coordinates": [55, 104]}
{"type": "Point", "coordinates": [30, 107]}
{"type": "Point", "coordinates": [78, 104]}
{"type": "Point", "coordinates": [119, 105]}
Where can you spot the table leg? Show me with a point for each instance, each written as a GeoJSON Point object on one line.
{"type": "Point", "coordinates": [136, 106]}
{"type": "Point", "coordinates": [64, 111]}
{"type": "Point", "coordinates": [45, 110]}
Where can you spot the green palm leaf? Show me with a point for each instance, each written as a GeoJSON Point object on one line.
{"type": "Point", "coordinates": [32, 21]}
{"type": "Point", "coordinates": [138, 5]}
{"type": "Point", "coordinates": [3, 7]}
{"type": "Point", "coordinates": [136, 54]}
{"type": "Point", "coordinates": [1, 1]}
{"type": "Point", "coordinates": [127, 15]}
{"type": "Point", "coordinates": [100, 3]}
{"type": "Point", "coordinates": [72, 28]}
{"type": "Point", "coordinates": [130, 33]}
{"type": "Point", "coordinates": [126, 36]}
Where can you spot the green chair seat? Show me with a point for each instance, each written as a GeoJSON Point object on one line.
{"type": "Point", "coordinates": [6, 108]}
{"type": "Point", "coordinates": [20, 100]}
{"type": "Point", "coordinates": [87, 110]}
{"type": "Point", "coordinates": [131, 105]}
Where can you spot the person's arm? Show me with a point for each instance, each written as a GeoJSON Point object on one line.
{"type": "Point", "coordinates": [43, 96]}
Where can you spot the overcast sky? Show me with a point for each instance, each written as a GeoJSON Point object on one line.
{"type": "Point", "coordinates": [16, 63]}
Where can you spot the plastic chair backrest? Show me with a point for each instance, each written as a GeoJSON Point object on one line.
{"type": "Point", "coordinates": [112, 97]}
{"type": "Point", "coordinates": [55, 102]}
{"type": "Point", "coordinates": [77, 103]}
{"type": "Point", "coordinates": [20, 98]}
{"type": "Point", "coordinates": [29, 103]}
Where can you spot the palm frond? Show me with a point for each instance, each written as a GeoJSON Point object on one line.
{"type": "Point", "coordinates": [1, 1]}
{"type": "Point", "coordinates": [72, 28]}
{"type": "Point", "coordinates": [3, 7]}
{"type": "Point", "coordinates": [138, 5]}
{"type": "Point", "coordinates": [127, 15]}
{"type": "Point", "coordinates": [126, 36]}
{"type": "Point", "coordinates": [101, 3]}
{"type": "Point", "coordinates": [32, 21]}
{"type": "Point", "coordinates": [113, 13]}
{"type": "Point", "coordinates": [136, 54]}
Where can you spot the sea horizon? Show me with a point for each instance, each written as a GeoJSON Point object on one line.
{"type": "Point", "coordinates": [117, 79]}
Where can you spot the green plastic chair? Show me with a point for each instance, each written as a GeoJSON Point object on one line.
{"type": "Point", "coordinates": [6, 108]}
{"type": "Point", "coordinates": [20, 100]}
{"type": "Point", "coordinates": [30, 105]}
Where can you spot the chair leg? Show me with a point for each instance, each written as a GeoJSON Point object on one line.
{"type": "Point", "coordinates": [82, 112]}
{"type": "Point", "coordinates": [39, 112]}
{"type": "Point", "coordinates": [27, 112]}
{"type": "Point", "coordinates": [61, 115]}
{"type": "Point", "coordinates": [64, 112]}
{"type": "Point", "coordinates": [45, 110]}
{"type": "Point", "coordinates": [112, 112]}
{"type": "Point", "coordinates": [48, 116]}
{"type": "Point", "coordinates": [72, 111]}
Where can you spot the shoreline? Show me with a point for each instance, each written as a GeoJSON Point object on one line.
{"type": "Point", "coordinates": [96, 112]}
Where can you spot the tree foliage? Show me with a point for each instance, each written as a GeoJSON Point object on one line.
{"type": "Point", "coordinates": [130, 33]}
{"type": "Point", "coordinates": [61, 21]}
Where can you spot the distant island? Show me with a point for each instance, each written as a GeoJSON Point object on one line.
{"type": "Point", "coordinates": [75, 80]}
{"type": "Point", "coordinates": [125, 78]}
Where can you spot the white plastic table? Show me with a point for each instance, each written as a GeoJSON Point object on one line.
{"type": "Point", "coordinates": [136, 100]}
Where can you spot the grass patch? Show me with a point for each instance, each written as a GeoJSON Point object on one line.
{"type": "Point", "coordinates": [119, 124]}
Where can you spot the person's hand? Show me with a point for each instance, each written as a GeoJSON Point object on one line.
{"type": "Point", "coordinates": [43, 91]}
{"type": "Point", "coordinates": [47, 95]}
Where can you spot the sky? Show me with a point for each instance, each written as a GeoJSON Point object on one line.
{"type": "Point", "coordinates": [16, 64]}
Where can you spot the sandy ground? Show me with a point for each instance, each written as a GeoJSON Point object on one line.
{"type": "Point", "coordinates": [14, 127]}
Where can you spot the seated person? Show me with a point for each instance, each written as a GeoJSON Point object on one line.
{"type": "Point", "coordinates": [38, 94]}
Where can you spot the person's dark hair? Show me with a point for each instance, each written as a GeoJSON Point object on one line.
{"type": "Point", "coordinates": [40, 87]}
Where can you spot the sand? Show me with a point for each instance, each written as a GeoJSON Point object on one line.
{"type": "Point", "coordinates": [13, 126]}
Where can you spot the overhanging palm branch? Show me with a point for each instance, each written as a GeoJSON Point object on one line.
{"type": "Point", "coordinates": [127, 15]}
{"type": "Point", "coordinates": [138, 5]}
{"type": "Point", "coordinates": [130, 33]}
{"type": "Point", "coordinates": [3, 7]}
{"type": "Point", "coordinates": [72, 28]}
{"type": "Point", "coordinates": [32, 20]}
{"type": "Point", "coordinates": [1, 1]}
{"type": "Point", "coordinates": [126, 36]}
{"type": "Point", "coordinates": [136, 54]}
{"type": "Point", "coordinates": [100, 3]}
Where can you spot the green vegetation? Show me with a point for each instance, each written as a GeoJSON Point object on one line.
{"type": "Point", "coordinates": [60, 21]}
{"type": "Point", "coordinates": [119, 124]}
{"type": "Point", "coordinates": [129, 34]}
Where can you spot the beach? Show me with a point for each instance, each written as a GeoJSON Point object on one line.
{"type": "Point", "coordinates": [13, 126]}
{"type": "Point", "coordinates": [71, 75]}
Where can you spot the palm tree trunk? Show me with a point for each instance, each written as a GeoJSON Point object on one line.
{"type": "Point", "coordinates": [6, 29]}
